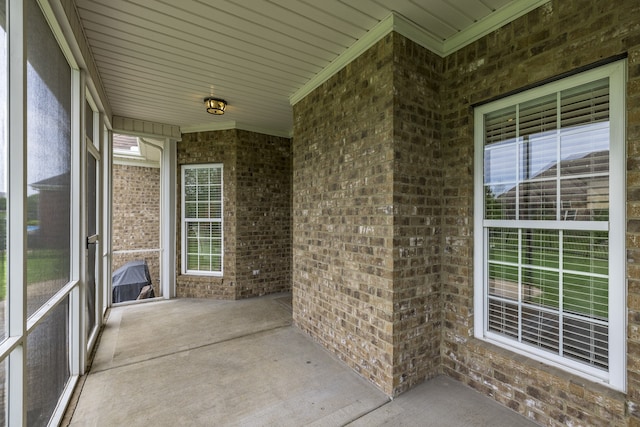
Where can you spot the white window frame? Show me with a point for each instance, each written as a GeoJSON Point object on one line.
{"type": "Point", "coordinates": [615, 377]}
{"type": "Point", "coordinates": [185, 220]}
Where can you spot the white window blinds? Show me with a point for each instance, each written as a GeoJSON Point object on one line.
{"type": "Point", "coordinates": [202, 219]}
{"type": "Point", "coordinates": [544, 195]}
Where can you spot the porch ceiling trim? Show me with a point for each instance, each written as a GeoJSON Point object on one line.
{"type": "Point", "coordinates": [232, 124]}
{"type": "Point", "coordinates": [145, 128]}
{"type": "Point", "coordinates": [404, 26]}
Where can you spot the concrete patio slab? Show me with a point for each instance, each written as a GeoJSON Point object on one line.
{"type": "Point", "coordinates": [242, 363]}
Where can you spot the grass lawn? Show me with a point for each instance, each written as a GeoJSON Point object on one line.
{"type": "Point", "coordinates": [42, 265]}
{"type": "Point", "coordinates": [584, 268]}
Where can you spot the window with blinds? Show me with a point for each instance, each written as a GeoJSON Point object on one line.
{"type": "Point", "coordinates": [544, 193]}
{"type": "Point", "coordinates": [202, 223]}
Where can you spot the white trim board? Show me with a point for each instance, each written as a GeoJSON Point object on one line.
{"type": "Point", "coordinates": [232, 124]}
{"type": "Point", "coordinates": [407, 28]}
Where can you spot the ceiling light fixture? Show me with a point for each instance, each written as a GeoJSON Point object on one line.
{"type": "Point", "coordinates": [215, 105]}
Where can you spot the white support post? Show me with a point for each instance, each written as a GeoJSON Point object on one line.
{"type": "Point", "coordinates": [77, 341]}
{"type": "Point", "coordinates": [168, 218]}
{"type": "Point", "coordinates": [107, 160]}
{"type": "Point", "coordinates": [16, 208]}
{"type": "Point", "coordinates": [103, 221]}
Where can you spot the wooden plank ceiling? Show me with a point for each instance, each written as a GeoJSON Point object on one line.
{"type": "Point", "coordinates": [158, 59]}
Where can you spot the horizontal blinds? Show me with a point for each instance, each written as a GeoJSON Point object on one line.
{"type": "Point", "coordinates": [538, 116]}
{"type": "Point", "coordinates": [500, 126]}
{"type": "Point", "coordinates": [548, 159]}
{"type": "Point", "coordinates": [585, 104]}
{"type": "Point", "coordinates": [202, 216]}
{"type": "Point", "coordinates": [203, 193]}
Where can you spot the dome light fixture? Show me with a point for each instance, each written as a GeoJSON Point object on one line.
{"type": "Point", "coordinates": [215, 105]}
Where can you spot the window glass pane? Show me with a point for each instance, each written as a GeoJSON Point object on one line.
{"type": "Point", "coordinates": [192, 262]}
{"type": "Point", "coordinates": [588, 295]}
{"type": "Point", "coordinates": [189, 177]}
{"type": "Point", "coordinates": [216, 192]}
{"type": "Point", "coordinates": [204, 263]}
{"type": "Point", "coordinates": [48, 162]}
{"type": "Point", "coordinates": [202, 176]}
{"type": "Point", "coordinates": [503, 281]}
{"type": "Point", "coordinates": [585, 104]}
{"type": "Point", "coordinates": [500, 126]}
{"type": "Point", "coordinates": [586, 342]}
{"type": "Point", "coordinates": [586, 251]}
{"type": "Point", "coordinates": [547, 159]}
{"type": "Point", "coordinates": [500, 201]}
{"type": "Point", "coordinates": [216, 210]}
{"type": "Point", "coordinates": [216, 263]}
{"type": "Point", "coordinates": [204, 210]}
{"type": "Point", "coordinates": [216, 175]}
{"type": "Point", "coordinates": [540, 248]}
{"type": "Point", "coordinates": [503, 245]}
{"type": "Point", "coordinates": [499, 160]}
{"type": "Point", "coordinates": [190, 193]}
{"type": "Point", "coordinates": [585, 199]}
{"type": "Point", "coordinates": [579, 152]}
{"type": "Point", "coordinates": [540, 287]}
{"type": "Point", "coordinates": [537, 200]}
{"type": "Point", "coordinates": [538, 116]}
{"type": "Point", "coordinates": [540, 329]}
{"type": "Point", "coordinates": [202, 201]}
{"type": "Point", "coordinates": [204, 243]}
{"type": "Point", "coordinates": [47, 364]}
{"type": "Point", "coordinates": [203, 192]}
{"type": "Point", "coordinates": [585, 150]}
{"type": "Point", "coordinates": [538, 155]}
{"type": "Point", "coordinates": [503, 318]}
{"type": "Point", "coordinates": [190, 210]}
{"type": "Point", "coordinates": [3, 174]}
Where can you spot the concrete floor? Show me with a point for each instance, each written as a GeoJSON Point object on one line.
{"type": "Point", "coordinates": [195, 362]}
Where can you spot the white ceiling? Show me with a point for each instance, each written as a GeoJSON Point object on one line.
{"type": "Point", "coordinates": [158, 59]}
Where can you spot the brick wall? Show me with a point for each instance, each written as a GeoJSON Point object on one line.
{"type": "Point", "coordinates": [417, 191]}
{"type": "Point", "coordinates": [557, 37]}
{"type": "Point", "coordinates": [136, 217]}
{"type": "Point", "coordinates": [263, 209]}
{"type": "Point", "coordinates": [367, 188]}
{"type": "Point", "coordinates": [199, 148]}
{"type": "Point", "coordinates": [257, 218]}
{"type": "Point", "coordinates": [386, 294]}
{"type": "Point", "coordinates": [343, 215]}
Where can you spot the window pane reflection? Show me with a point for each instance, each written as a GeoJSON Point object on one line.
{"type": "Point", "coordinates": [48, 162]}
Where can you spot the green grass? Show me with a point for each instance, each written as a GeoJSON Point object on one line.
{"type": "Point", "coordinates": [583, 257]}
{"type": "Point", "coordinates": [42, 265]}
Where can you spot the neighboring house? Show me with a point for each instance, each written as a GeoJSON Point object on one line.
{"type": "Point", "coordinates": [580, 199]}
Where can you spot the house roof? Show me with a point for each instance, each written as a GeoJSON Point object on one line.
{"type": "Point", "coordinates": [53, 183]}
{"type": "Point", "coordinates": [158, 60]}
